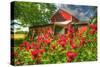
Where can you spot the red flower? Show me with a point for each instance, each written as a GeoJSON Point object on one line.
{"type": "Point", "coordinates": [32, 44]}
{"type": "Point", "coordinates": [46, 41]}
{"type": "Point", "coordinates": [71, 41]}
{"type": "Point", "coordinates": [42, 51]}
{"type": "Point", "coordinates": [38, 46]}
{"type": "Point", "coordinates": [71, 55]}
{"type": "Point", "coordinates": [46, 36]}
{"type": "Point", "coordinates": [73, 46]}
{"type": "Point", "coordinates": [34, 52]}
{"type": "Point", "coordinates": [40, 39]}
{"type": "Point", "coordinates": [25, 42]}
{"type": "Point", "coordinates": [82, 41]}
{"type": "Point", "coordinates": [92, 31]}
{"type": "Point", "coordinates": [70, 29]}
{"type": "Point", "coordinates": [62, 41]}
{"type": "Point", "coordinates": [28, 47]}
{"type": "Point", "coordinates": [93, 26]}
{"type": "Point", "coordinates": [82, 30]}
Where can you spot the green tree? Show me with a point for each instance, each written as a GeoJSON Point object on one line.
{"type": "Point", "coordinates": [29, 13]}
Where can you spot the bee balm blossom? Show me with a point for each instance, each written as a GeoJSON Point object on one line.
{"type": "Point", "coordinates": [62, 41]}
{"type": "Point", "coordinates": [93, 26]}
{"type": "Point", "coordinates": [93, 29]}
{"type": "Point", "coordinates": [34, 52]}
{"type": "Point", "coordinates": [71, 55]}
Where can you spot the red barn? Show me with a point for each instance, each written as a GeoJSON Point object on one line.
{"type": "Point", "coordinates": [61, 19]}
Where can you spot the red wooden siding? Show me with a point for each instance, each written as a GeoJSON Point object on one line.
{"type": "Point", "coordinates": [60, 16]}
{"type": "Point", "coordinates": [65, 15]}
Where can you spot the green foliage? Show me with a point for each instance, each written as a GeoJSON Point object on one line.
{"type": "Point", "coordinates": [23, 56]}
{"type": "Point", "coordinates": [18, 42]}
{"type": "Point", "coordinates": [29, 13]}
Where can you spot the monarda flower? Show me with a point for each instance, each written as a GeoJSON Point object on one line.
{"type": "Point", "coordinates": [71, 55]}
{"type": "Point", "coordinates": [34, 52]}
{"type": "Point", "coordinates": [82, 41]}
{"type": "Point", "coordinates": [42, 51]}
{"type": "Point", "coordinates": [46, 36]}
{"type": "Point", "coordinates": [25, 42]}
{"type": "Point", "coordinates": [47, 41]}
{"type": "Point", "coordinates": [28, 46]}
{"type": "Point", "coordinates": [40, 39]}
{"type": "Point", "coordinates": [71, 35]}
{"type": "Point", "coordinates": [73, 46]}
{"type": "Point", "coordinates": [32, 45]}
{"type": "Point", "coordinates": [70, 29]}
{"type": "Point", "coordinates": [37, 46]}
{"type": "Point", "coordinates": [62, 41]}
{"type": "Point", "coordinates": [82, 30]}
{"type": "Point", "coordinates": [71, 41]}
{"type": "Point", "coordinates": [93, 26]}
{"type": "Point", "coordinates": [92, 31]}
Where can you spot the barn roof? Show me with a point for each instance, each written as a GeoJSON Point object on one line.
{"type": "Point", "coordinates": [63, 15]}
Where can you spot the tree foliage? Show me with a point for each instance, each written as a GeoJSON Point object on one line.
{"type": "Point", "coordinates": [29, 13]}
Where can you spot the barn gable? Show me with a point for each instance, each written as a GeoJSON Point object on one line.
{"type": "Point", "coordinates": [63, 17]}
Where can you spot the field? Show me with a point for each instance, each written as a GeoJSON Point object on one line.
{"type": "Point", "coordinates": [18, 36]}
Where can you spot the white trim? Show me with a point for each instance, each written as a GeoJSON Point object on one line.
{"type": "Point", "coordinates": [64, 22]}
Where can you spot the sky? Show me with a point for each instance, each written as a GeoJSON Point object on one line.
{"type": "Point", "coordinates": [83, 13]}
